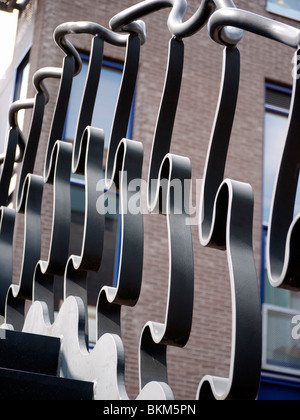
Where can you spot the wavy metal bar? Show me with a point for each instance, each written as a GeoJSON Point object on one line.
{"type": "Point", "coordinates": [61, 107]}
{"type": "Point", "coordinates": [58, 253]}
{"type": "Point", "coordinates": [87, 148]}
{"type": "Point", "coordinates": [282, 236]}
{"type": "Point", "coordinates": [88, 101]}
{"type": "Point", "coordinates": [77, 267]}
{"type": "Point", "coordinates": [166, 115]}
{"type": "Point", "coordinates": [234, 217]}
{"type": "Point", "coordinates": [18, 293]}
{"type": "Point", "coordinates": [124, 103]}
{"type": "Point", "coordinates": [132, 45]}
{"type": "Point", "coordinates": [36, 126]}
{"type": "Point", "coordinates": [29, 198]}
{"type": "Point", "coordinates": [128, 162]}
{"type": "Point", "coordinates": [226, 224]}
{"type": "Point", "coordinates": [10, 157]}
{"type": "Point", "coordinates": [179, 312]}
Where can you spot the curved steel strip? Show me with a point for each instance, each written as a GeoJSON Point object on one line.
{"type": "Point", "coordinates": [88, 101]}
{"type": "Point", "coordinates": [7, 224]}
{"type": "Point", "coordinates": [226, 224]}
{"type": "Point", "coordinates": [177, 27]}
{"type": "Point", "coordinates": [124, 103]}
{"type": "Point", "coordinates": [38, 83]}
{"type": "Point", "coordinates": [59, 176]}
{"type": "Point", "coordinates": [92, 146]}
{"type": "Point", "coordinates": [283, 235]}
{"type": "Point", "coordinates": [128, 165]}
{"type": "Point", "coordinates": [29, 157]}
{"type": "Point", "coordinates": [36, 125]}
{"type": "Point", "coordinates": [60, 111]}
{"type": "Point", "coordinates": [31, 207]}
{"type": "Point", "coordinates": [251, 22]}
{"type": "Point", "coordinates": [219, 143]}
{"type": "Point", "coordinates": [176, 173]}
{"type": "Point", "coordinates": [8, 167]}
{"type": "Point", "coordinates": [233, 219]}
{"type": "Point", "coordinates": [166, 115]}
{"type": "Point", "coordinates": [90, 92]}
{"type": "Point", "coordinates": [58, 253]}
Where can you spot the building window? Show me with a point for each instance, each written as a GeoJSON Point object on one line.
{"type": "Point", "coordinates": [281, 352]}
{"type": "Point", "coordinates": [108, 91]}
{"type": "Point", "coordinates": [287, 8]}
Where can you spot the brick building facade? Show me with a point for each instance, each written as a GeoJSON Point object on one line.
{"type": "Point", "coordinates": [262, 61]}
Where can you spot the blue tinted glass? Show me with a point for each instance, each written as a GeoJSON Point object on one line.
{"type": "Point", "coordinates": [104, 110]}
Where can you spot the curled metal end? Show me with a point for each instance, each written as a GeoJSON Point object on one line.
{"type": "Point", "coordinates": [45, 73]}
{"type": "Point", "coordinates": [94, 29]}
{"type": "Point", "coordinates": [230, 36]}
{"type": "Point", "coordinates": [177, 26]}
{"type": "Point", "coordinates": [60, 38]}
{"type": "Point", "coordinates": [13, 122]}
{"type": "Point", "coordinates": [16, 107]}
{"type": "Point", "coordinates": [138, 27]}
{"type": "Point", "coordinates": [222, 23]}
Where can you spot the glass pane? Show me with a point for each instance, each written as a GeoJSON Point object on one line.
{"type": "Point", "coordinates": [106, 100]}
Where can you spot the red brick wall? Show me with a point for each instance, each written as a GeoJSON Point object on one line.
{"type": "Point", "coordinates": [208, 351]}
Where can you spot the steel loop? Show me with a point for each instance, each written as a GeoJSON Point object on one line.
{"type": "Point", "coordinates": [93, 29]}
{"type": "Point", "coordinates": [177, 27]}
{"type": "Point", "coordinates": [259, 25]}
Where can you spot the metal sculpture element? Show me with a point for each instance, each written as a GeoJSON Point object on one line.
{"type": "Point", "coordinates": [70, 369]}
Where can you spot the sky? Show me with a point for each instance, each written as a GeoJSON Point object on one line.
{"type": "Point", "coordinates": [8, 24]}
